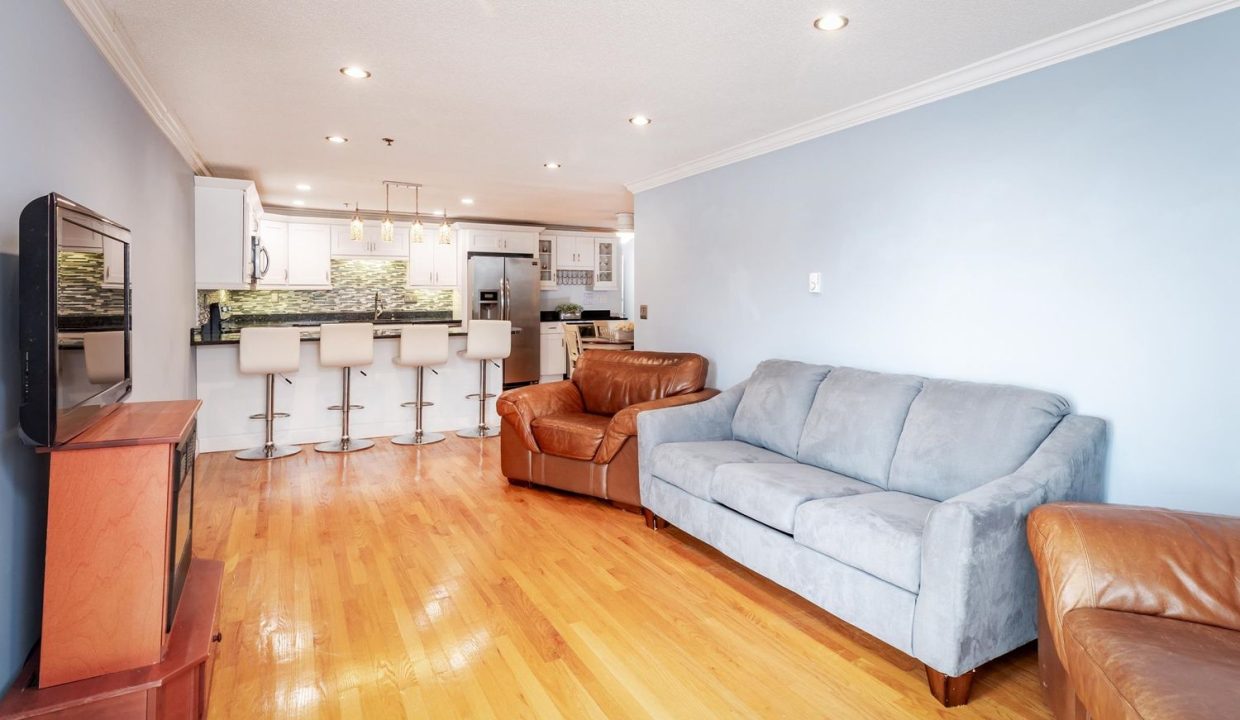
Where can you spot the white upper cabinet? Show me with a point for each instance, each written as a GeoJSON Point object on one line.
{"type": "Point", "coordinates": [499, 238]}
{"type": "Point", "coordinates": [371, 244]}
{"type": "Point", "coordinates": [309, 255]}
{"type": "Point", "coordinates": [227, 216]}
{"type": "Point", "coordinates": [574, 252]}
{"type": "Point", "coordinates": [272, 261]}
{"type": "Point", "coordinates": [432, 263]}
{"type": "Point", "coordinates": [606, 262]}
{"type": "Point", "coordinates": [113, 262]}
{"type": "Point", "coordinates": [546, 262]}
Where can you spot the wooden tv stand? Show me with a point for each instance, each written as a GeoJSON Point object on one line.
{"type": "Point", "coordinates": [106, 648]}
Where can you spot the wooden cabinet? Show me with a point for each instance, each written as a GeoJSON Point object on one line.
{"type": "Point", "coordinates": [546, 262]}
{"type": "Point", "coordinates": [574, 252]}
{"type": "Point", "coordinates": [272, 262]}
{"type": "Point", "coordinates": [372, 245]}
{"type": "Point", "coordinates": [433, 263]}
{"type": "Point", "coordinates": [309, 255]}
{"type": "Point", "coordinates": [606, 260]}
{"type": "Point", "coordinates": [227, 215]}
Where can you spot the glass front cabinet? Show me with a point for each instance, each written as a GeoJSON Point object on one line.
{"type": "Point", "coordinates": [605, 259]}
{"type": "Point", "coordinates": [546, 262]}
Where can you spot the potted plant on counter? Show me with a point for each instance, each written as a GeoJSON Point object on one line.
{"type": "Point", "coordinates": [569, 311]}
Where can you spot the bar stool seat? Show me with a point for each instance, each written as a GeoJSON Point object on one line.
{"type": "Point", "coordinates": [269, 351]}
{"type": "Point", "coordinates": [486, 342]}
{"type": "Point", "coordinates": [346, 346]}
{"type": "Point", "coordinates": [421, 346]}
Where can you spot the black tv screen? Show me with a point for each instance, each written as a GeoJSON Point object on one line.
{"type": "Point", "coordinates": [74, 321]}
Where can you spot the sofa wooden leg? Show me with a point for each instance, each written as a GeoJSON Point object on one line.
{"type": "Point", "coordinates": [951, 691]}
{"type": "Point", "coordinates": [654, 522]}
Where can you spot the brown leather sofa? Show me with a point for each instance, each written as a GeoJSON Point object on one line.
{"type": "Point", "coordinates": [1140, 613]}
{"type": "Point", "coordinates": [580, 435]}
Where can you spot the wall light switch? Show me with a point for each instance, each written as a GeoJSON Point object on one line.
{"type": "Point", "coordinates": [815, 283]}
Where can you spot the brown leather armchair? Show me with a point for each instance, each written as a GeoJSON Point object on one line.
{"type": "Point", "coordinates": [580, 435]}
{"type": "Point", "coordinates": [1140, 611]}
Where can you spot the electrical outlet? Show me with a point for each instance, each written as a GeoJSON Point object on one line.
{"type": "Point", "coordinates": [642, 312]}
{"type": "Point", "coordinates": [815, 283]}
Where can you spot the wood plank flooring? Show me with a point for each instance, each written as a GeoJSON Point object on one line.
{"type": "Point", "coordinates": [415, 582]}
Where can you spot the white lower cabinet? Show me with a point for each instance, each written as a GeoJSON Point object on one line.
{"type": "Point", "coordinates": [553, 360]}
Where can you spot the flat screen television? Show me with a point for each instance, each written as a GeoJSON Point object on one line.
{"type": "Point", "coordinates": [74, 319]}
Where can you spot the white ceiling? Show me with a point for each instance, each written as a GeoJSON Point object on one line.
{"type": "Point", "coordinates": [480, 93]}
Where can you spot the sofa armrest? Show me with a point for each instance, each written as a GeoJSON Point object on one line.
{"type": "Point", "coordinates": [1148, 561]}
{"type": "Point", "coordinates": [624, 423]}
{"type": "Point", "coordinates": [709, 420]}
{"type": "Point", "coordinates": [522, 406]}
{"type": "Point", "coordinates": [978, 596]}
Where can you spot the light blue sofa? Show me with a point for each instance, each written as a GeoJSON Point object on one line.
{"type": "Point", "coordinates": [894, 502]}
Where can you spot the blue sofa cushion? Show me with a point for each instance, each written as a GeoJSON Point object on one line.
{"type": "Point", "coordinates": [690, 466]}
{"type": "Point", "coordinates": [777, 398]}
{"type": "Point", "coordinates": [879, 533]}
{"type": "Point", "coordinates": [771, 493]}
{"type": "Point", "coordinates": [855, 423]}
{"type": "Point", "coordinates": [960, 435]}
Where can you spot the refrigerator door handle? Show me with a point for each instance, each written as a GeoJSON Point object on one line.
{"type": "Point", "coordinates": [505, 300]}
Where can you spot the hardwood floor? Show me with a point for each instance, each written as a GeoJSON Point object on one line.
{"type": "Point", "coordinates": [415, 582]}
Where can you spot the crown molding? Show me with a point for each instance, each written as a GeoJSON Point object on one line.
{"type": "Point", "coordinates": [115, 48]}
{"type": "Point", "coordinates": [1119, 28]}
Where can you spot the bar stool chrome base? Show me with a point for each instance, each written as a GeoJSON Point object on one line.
{"type": "Point", "coordinates": [344, 446]}
{"type": "Point", "coordinates": [478, 432]}
{"type": "Point", "coordinates": [269, 450]}
{"type": "Point", "coordinates": [426, 438]}
{"type": "Point", "coordinates": [271, 453]}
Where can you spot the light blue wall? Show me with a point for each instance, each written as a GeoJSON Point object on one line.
{"type": "Point", "coordinates": [1076, 229]}
{"type": "Point", "coordinates": [68, 124]}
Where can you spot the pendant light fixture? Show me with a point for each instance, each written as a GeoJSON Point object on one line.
{"type": "Point", "coordinates": [387, 231]}
{"type": "Point", "coordinates": [445, 230]}
{"type": "Point", "coordinates": [355, 225]}
{"type": "Point", "coordinates": [417, 214]}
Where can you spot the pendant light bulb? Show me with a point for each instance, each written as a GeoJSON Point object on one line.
{"type": "Point", "coordinates": [417, 214]}
{"type": "Point", "coordinates": [355, 225]}
{"type": "Point", "coordinates": [387, 231]}
{"type": "Point", "coordinates": [445, 231]}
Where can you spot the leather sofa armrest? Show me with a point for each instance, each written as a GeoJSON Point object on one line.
{"type": "Point", "coordinates": [979, 589]}
{"type": "Point", "coordinates": [624, 423]}
{"type": "Point", "coordinates": [1147, 561]}
{"type": "Point", "coordinates": [522, 406]}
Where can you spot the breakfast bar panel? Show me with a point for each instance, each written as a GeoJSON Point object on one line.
{"type": "Point", "coordinates": [229, 398]}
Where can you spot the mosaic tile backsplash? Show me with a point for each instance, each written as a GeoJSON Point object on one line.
{"type": "Point", "coordinates": [79, 286]}
{"type": "Point", "coordinates": [354, 284]}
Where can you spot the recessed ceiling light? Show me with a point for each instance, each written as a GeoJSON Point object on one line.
{"type": "Point", "coordinates": [467, 201]}
{"type": "Point", "coordinates": [338, 139]}
{"type": "Point", "coordinates": [640, 120]}
{"type": "Point", "coordinates": [355, 72]}
{"type": "Point", "coordinates": [831, 22]}
{"type": "Point", "coordinates": [304, 187]}
{"type": "Point", "coordinates": [299, 202]}
{"type": "Point", "coordinates": [551, 165]}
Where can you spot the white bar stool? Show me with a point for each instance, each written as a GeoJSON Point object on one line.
{"type": "Point", "coordinates": [268, 351]}
{"type": "Point", "coordinates": [486, 342]}
{"type": "Point", "coordinates": [421, 346]}
{"type": "Point", "coordinates": [346, 346]}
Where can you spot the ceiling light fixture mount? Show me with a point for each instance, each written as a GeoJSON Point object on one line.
{"type": "Point", "coordinates": [355, 72]}
{"type": "Point", "coordinates": [388, 141]}
{"type": "Point", "coordinates": [831, 21]}
{"type": "Point", "coordinates": [640, 120]}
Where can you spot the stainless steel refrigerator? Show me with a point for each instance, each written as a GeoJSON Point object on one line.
{"type": "Point", "coordinates": [505, 287]}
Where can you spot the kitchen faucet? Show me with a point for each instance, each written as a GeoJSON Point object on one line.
{"type": "Point", "coordinates": [378, 306]}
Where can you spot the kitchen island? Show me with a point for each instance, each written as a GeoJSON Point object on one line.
{"type": "Point", "coordinates": [229, 397]}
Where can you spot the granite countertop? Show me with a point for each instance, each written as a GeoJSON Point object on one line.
{"type": "Point", "coordinates": [384, 328]}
